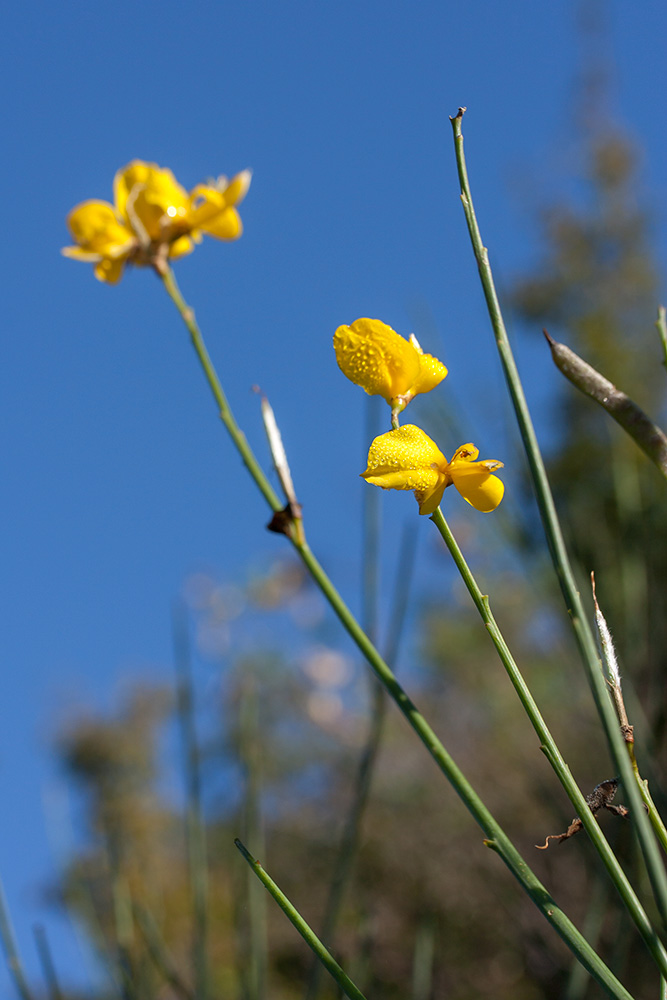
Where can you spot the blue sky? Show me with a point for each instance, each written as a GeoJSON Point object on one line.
{"type": "Point", "coordinates": [118, 479]}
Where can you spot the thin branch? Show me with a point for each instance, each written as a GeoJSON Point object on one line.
{"type": "Point", "coordinates": [580, 624]}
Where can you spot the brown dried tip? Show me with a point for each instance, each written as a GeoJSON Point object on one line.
{"type": "Point", "coordinates": [283, 520]}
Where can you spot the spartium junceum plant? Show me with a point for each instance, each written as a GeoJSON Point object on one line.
{"type": "Point", "coordinates": [155, 220]}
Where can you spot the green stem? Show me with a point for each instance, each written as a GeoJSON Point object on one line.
{"type": "Point", "coordinates": [46, 961]}
{"type": "Point", "coordinates": [236, 434]}
{"type": "Point", "coordinates": [652, 809]}
{"type": "Point", "coordinates": [550, 748]}
{"type": "Point", "coordinates": [195, 828]}
{"type": "Point", "coordinates": [496, 837]}
{"type": "Point", "coordinates": [559, 556]}
{"type": "Point", "coordinates": [159, 954]}
{"type": "Point", "coordinates": [11, 951]}
{"type": "Point", "coordinates": [250, 757]}
{"type": "Point", "coordinates": [661, 324]}
{"type": "Point", "coordinates": [309, 936]}
{"type": "Point", "coordinates": [349, 841]}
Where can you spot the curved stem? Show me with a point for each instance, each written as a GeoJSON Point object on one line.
{"type": "Point", "coordinates": [559, 556]}
{"type": "Point", "coordinates": [551, 750]}
{"type": "Point", "coordinates": [306, 932]}
{"type": "Point", "coordinates": [497, 839]}
{"type": "Point", "coordinates": [237, 436]}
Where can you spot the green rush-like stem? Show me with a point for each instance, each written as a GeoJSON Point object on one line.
{"type": "Point", "coordinates": [47, 964]}
{"type": "Point", "coordinates": [661, 323]}
{"type": "Point", "coordinates": [496, 837]}
{"type": "Point", "coordinates": [652, 809]}
{"type": "Point", "coordinates": [250, 758]}
{"type": "Point", "coordinates": [309, 936]}
{"type": "Point", "coordinates": [11, 951]}
{"type": "Point", "coordinates": [195, 828]}
{"type": "Point", "coordinates": [348, 846]}
{"type": "Point", "coordinates": [551, 751]}
{"type": "Point", "coordinates": [236, 434]}
{"type": "Point", "coordinates": [559, 556]}
{"type": "Point", "coordinates": [158, 953]}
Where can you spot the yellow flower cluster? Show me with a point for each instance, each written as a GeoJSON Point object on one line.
{"type": "Point", "coordinates": [152, 218]}
{"type": "Point", "coordinates": [378, 359]}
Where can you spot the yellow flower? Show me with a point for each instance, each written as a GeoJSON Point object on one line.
{"type": "Point", "coordinates": [407, 459]}
{"type": "Point", "coordinates": [385, 364]}
{"type": "Point", "coordinates": [153, 218]}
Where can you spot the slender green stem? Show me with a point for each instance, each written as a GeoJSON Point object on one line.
{"type": "Point", "coordinates": [598, 907]}
{"type": "Point", "coordinates": [159, 954]}
{"type": "Point", "coordinates": [661, 324]}
{"type": "Point", "coordinates": [550, 748]}
{"type": "Point", "coordinates": [236, 434]}
{"type": "Point", "coordinates": [253, 830]}
{"type": "Point", "coordinates": [11, 951]}
{"type": "Point", "coordinates": [559, 556]}
{"type": "Point", "coordinates": [349, 841]}
{"type": "Point", "coordinates": [652, 809]}
{"type": "Point", "coordinates": [364, 775]}
{"type": "Point", "coordinates": [309, 936]}
{"type": "Point", "coordinates": [123, 923]}
{"type": "Point", "coordinates": [195, 828]}
{"type": "Point", "coordinates": [46, 961]}
{"type": "Point", "coordinates": [423, 960]}
{"type": "Point", "coordinates": [496, 837]}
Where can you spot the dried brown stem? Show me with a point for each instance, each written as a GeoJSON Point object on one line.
{"type": "Point", "coordinates": [650, 438]}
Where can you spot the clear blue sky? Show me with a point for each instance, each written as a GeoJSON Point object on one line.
{"type": "Point", "coordinates": [118, 480]}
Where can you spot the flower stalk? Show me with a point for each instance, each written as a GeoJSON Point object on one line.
{"type": "Point", "coordinates": [583, 633]}
{"type": "Point", "coordinates": [551, 751]}
{"type": "Point", "coordinates": [496, 838]}
{"type": "Point", "coordinates": [306, 932]}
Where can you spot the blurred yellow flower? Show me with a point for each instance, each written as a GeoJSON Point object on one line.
{"type": "Point", "coordinates": [385, 364]}
{"type": "Point", "coordinates": [407, 459]}
{"type": "Point", "coordinates": [153, 218]}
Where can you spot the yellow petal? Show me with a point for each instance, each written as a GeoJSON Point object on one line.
{"type": "Point", "coordinates": [237, 188]}
{"type": "Point", "coordinates": [151, 199]}
{"type": "Point", "coordinates": [375, 357]}
{"type": "Point", "coordinates": [428, 500]}
{"type": "Point", "coordinates": [474, 480]}
{"type": "Point", "coordinates": [109, 271]}
{"type": "Point", "coordinates": [95, 227]}
{"type": "Point", "coordinates": [126, 180]}
{"type": "Point", "coordinates": [431, 373]}
{"type": "Point", "coordinates": [226, 225]}
{"type": "Point", "coordinates": [465, 453]}
{"type": "Point", "coordinates": [205, 203]}
{"type": "Point", "coordinates": [76, 253]}
{"type": "Point", "coordinates": [405, 459]}
{"type": "Point", "coordinates": [180, 247]}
